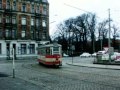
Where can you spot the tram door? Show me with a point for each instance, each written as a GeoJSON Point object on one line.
{"type": "Point", "coordinates": [8, 50]}
{"type": "Point", "coordinates": [14, 46]}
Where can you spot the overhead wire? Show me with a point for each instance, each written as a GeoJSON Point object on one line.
{"type": "Point", "coordinates": [80, 9]}
{"type": "Point", "coordinates": [88, 11]}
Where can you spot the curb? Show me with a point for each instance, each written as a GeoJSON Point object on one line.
{"type": "Point", "coordinates": [93, 66]}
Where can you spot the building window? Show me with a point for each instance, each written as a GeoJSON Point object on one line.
{"type": "Point", "coordinates": [24, 7]}
{"type": "Point", "coordinates": [44, 23]}
{"type": "Point", "coordinates": [1, 4]}
{"type": "Point", "coordinates": [32, 9]}
{"type": "Point", "coordinates": [7, 33]}
{"type": "Point", "coordinates": [8, 4]}
{"type": "Point", "coordinates": [37, 36]}
{"type": "Point", "coordinates": [32, 21]}
{"type": "Point", "coordinates": [7, 19]}
{"type": "Point", "coordinates": [13, 33]}
{"type": "Point", "coordinates": [44, 35]}
{"type": "Point", "coordinates": [37, 22]}
{"type": "Point", "coordinates": [45, 9]}
{"type": "Point", "coordinates": [41, 8]}
{"type": "Point", "coordinates": [32, 35]}
{"type": "Point", "coordinates": [37, 9]}
{"type": "Point", "coordinates": [32, 48]}
{"type": "Point", "coordinates": [23, 34]}
{"type": "Point", "coordinates": [0, 18]}
{"type": "Point", "coordinates": [0, 48]}
{"type": "Point", "coordinates": [1, 34]}
{"type": "Point", "coordinates": [23, 20]}
{"type": "Point", "coordinates": [23, 49]}
{"type": "Point", "coordinates": [14, 5]}
{"type": "Point", "coordinates": [14, 19]}
{"type": "Point", "coordinates": [44, 0]}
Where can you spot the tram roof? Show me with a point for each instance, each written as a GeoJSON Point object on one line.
{"type": "Point", "coordinates": [50, 45]}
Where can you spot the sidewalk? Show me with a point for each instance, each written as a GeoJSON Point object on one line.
{"type": "Point", "coordinates": [9, 83]}
{"type": "Point", "coordinates": [91, 65]}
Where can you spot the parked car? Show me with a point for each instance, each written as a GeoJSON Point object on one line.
{"type": "Point", "coordinates": [117, 56]}
{"type": "Point", "coordinates": [94, 54]}
{"type": "Point", "coordinates": [65, 55]}
{"type": "Point", "coordinates": [101, 52]}
{"type": "Point", "coordinates": [85, 55]}
{"type": "Point", "coordinates": [116, 53]}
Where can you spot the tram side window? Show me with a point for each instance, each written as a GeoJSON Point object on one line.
{"type": "Point", "coordinates": [56, 50]}
{"type": "Point", "coordinates": [39, 51]}
{"type": "Point", "coordinates": [42, 52]}
{"type": "Point", "coordinates": [47, 51]}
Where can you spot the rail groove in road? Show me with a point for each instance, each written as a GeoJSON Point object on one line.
{"type": "Point", "coordinates": [104, 80]}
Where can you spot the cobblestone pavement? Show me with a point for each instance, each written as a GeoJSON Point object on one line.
{"type": "Point", "coordinates": [9, 83]}
{"type": "Point", "coordinates": [67, 77]}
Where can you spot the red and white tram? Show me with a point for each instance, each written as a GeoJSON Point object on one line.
{"type": "Point", "coordinates": [50, 54]}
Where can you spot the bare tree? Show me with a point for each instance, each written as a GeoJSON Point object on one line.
{"type": "Point", "coordinates": [114, 34]}
{"type": "Point", "coordinates": [61, 33]}
{"type": "Point", "coordinates": [91, 26]}
{"type": "Point", "coordinates": [61, 30]}
{"type": "Point", "coordinates": [102, 30]}
{"type": "Point", "coordinates": [81, 29]}
{"type": "Point", "coordinates": [102, 33]}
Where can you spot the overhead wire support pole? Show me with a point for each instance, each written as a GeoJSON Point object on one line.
{"type": "Point", "coordinates": [109, 45]}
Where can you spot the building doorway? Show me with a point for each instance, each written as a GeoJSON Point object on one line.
{"type": "Point", "coordinates": [8, 50]}
{"type": "Point", "coordinates": [14, 46]}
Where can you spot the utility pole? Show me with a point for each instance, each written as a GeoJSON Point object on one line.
{"type": "Point", "coordinates": [101, 42]}
{"type": "Point", "coordinates": [93, 43]}
{"type": "Point", "coordinates": [109, 46]}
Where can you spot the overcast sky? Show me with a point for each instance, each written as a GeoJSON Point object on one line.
{"type": "Point", "coordinates": [59, 11]}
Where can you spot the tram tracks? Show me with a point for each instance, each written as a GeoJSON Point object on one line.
{"type": "Point", "coordinates": [77, 76]}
